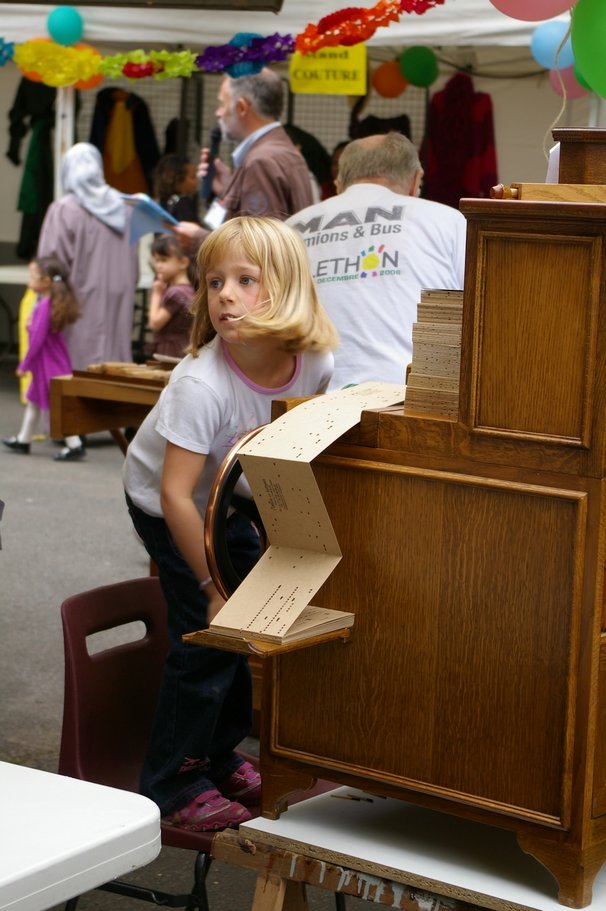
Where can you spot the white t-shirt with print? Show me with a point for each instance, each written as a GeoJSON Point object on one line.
{"type": "Point", "coordinates": [372, 251]}
{"type": "Point", "coordinates": [206, 407]}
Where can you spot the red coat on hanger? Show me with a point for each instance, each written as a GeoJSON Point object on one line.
{"type": "Point", "coordinates": [459, 154]}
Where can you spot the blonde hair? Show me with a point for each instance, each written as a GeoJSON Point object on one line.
{"type": "Point", "coordinates": [293, 312]}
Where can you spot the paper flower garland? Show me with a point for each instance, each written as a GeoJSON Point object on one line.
{"type": "Point", "coordinates": [7, 50]}
{"type": "Point", "coordinates": [63, 62]}
{"type": "Point", "coordinates": [255, 51]}
{"type": "Point", "coordinates": [347, 26]}
{"type": "Point", "coordinates": [159, 64]}
{"type": "Point", "coordinates": [44, 61]}
{"type": "Point", "coordinates": [354, 24]}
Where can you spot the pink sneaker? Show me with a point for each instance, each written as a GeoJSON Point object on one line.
{"type": "Point", "coordinates": [207, 812]}
{"type": "Point", "coordinates": [243, 785]}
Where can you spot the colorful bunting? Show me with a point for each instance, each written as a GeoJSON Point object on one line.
{"type": "Point", "coordinates": [69, 63]}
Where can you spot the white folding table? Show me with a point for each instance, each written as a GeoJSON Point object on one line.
{"type": "Point", "coordinates": [60, 837]}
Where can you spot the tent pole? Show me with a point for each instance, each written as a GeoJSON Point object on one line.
{"type": "Point", "coordinates": [64, 130]}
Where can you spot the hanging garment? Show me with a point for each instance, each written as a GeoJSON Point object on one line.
{"type": "Point", "coordinates": [33, 109]}
{"type": "Point", "coordinates": [459, 154]}
{"type": "Point", "coordinates": [123, 132]}
{"type": "Point", "coordinates": [312, 150]}
{"type": "Point", "coordinates": [372, 125]}
{"type": "Point", "coordinates": [176, 136]}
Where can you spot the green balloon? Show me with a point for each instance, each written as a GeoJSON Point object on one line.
{"type": "Point", "coordinates": [419, 65]}
{"type": "Point", "coordinates": [588, 37]}
{"type": "Point", "coordinates": [580, 78]}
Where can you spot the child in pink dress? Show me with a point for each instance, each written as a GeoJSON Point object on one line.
{"type": "Point", "coordinates": [47, 355]}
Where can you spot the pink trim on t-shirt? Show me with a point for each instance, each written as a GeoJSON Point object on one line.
{"type": "Point", "coordinates": [264, 390]}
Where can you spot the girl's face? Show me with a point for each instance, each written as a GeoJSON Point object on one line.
{"type": "Point", "coordinates": [234, 290]}
{"type": "Point", "coordinates": [167, 268]}
{"type": "Point", "coordinates": [189, 183]}
{"type": "Point", "coordinates": [37, 282]}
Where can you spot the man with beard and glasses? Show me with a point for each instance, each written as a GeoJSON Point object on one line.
{"type": "Point", "coordinates": [270, 176]}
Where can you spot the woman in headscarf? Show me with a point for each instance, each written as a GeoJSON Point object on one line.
{"type": "Point", "coordinates": [88, 230]}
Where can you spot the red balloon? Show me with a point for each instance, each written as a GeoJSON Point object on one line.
{"type": "Point", "coordinates": [532, 10]}
{"type": "Point", "coordinates": [569, 87]}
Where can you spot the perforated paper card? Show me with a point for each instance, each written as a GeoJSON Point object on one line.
{"type": "Point", "coordinates": [273, 600]}
{"type": "Point", "coordinates": [307, 430]}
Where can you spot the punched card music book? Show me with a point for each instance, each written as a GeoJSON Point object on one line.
{"type": "Point", "coordinates": [273, 602]}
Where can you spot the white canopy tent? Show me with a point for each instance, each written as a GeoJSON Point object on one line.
{"type": "Point", "coordinates": [462, 31]}
{"type": "Point", "coordinates": [455, 23]}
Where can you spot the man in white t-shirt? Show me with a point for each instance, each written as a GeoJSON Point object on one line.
{"type": "Point", "coordinates": [373, 248]}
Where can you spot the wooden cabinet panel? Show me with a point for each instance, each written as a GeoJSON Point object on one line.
{"type": "Point", "coordinates": [534, 327]}
{"type": "Point", "coordinates": [470, 574]}
{"type": "Point", "coordinates": [534, 330]}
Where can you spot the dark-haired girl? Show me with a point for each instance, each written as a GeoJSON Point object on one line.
{"type": "Point", "coordinates": [47, 355]}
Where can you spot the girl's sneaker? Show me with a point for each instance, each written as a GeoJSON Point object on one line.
{"type": "Point", "coordinates": [207, 812]}
{"type": "Point", "coordinates": [243, 785]}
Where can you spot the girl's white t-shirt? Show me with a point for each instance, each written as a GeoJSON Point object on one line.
{"type": "Point", "coordinates": [206, 407]}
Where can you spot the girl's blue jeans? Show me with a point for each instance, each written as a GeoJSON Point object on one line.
{"type": "Point", "coordinates": [205, 703]}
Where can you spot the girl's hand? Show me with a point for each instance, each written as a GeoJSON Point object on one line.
{"type": "Point", "coordinates": [159, 286]}
{"type": "Point", "coordinates": [19, 372]}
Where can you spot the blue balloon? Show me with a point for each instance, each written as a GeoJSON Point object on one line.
{"type": "Point", "coordinates": [546, 39]}
{"type": "Point", "coordinates": [65, 25]}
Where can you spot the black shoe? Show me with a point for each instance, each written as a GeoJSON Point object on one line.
{"type": "Point", "coordinates": [14, 444]}
{"type": "Point", "coordinates": [70, 455]}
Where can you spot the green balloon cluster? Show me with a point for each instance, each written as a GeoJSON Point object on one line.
{"type": "Point", "coordinates": [419, 66]}
{"type": "Point", "coordinates": [588, 36]}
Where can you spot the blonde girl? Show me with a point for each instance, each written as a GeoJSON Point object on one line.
{"type": "Point", "coordinates": [259, 333]}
